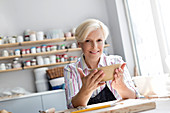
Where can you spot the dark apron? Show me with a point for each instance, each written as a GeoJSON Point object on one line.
{"type": "Point", "coordinates": [104, 96]}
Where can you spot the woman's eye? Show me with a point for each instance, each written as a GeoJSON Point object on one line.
{"type": "Point", "coordinates": [87, 41]}
{"type": "Point", "coordinates": [99, 40]}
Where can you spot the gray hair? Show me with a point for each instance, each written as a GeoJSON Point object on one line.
{"type": "Point", "coordinates": [89, 25]}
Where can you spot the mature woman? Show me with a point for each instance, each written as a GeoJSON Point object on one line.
{"type": "Point", "coordinates": [84, 87]}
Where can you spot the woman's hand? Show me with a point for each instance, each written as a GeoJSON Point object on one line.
{"type": "Point", "coordinates": [118, 82]}
{"type": "Point", "coordinates": [92, 81]}
{"type": "Point", "coordinates": [89, 84]}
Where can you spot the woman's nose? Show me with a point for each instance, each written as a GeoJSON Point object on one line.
{"type": "Point", "coordinates": [94, 44]}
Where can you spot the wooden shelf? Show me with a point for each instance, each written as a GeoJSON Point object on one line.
{"type": "Point", "coordinates": [46, 65]}
{"type": "Point", "coordinates": [42, 41]}
{"type": "Point", "coordinates": [107, 45]}
{"type": "Point", "coordinates": [26, 43]}
{"type": "Point", "coordinates": [10, 70]}
{"type": "Point", "coordinates": [45, 53]}
{"type": "Point", "coordinates": [9, 57]}
{"type": "Point", "coordinates": [9, 45]}
{"type": "Point", "coordinates": [75, 49]}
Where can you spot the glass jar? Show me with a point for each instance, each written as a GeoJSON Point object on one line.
{"type": "Point", "coordinates": [23, 51]}
{"type": "Point", "coordinates": [33, 62]}
{"type": "Point", "coordinates": [43, 48]}
{"type": "Point", "coordinates": [27, 51]}
{"type": "Point", "coordinates": [33, 50]}
{"type": "Point", "coordinates": [38, 49]}
{"type": "Point", "coordinates": [28, 63]}
{"type": "Point", "coordinates": [17, 52]}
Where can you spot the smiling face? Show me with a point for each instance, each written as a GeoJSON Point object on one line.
{"type": "Point", "coordinates": [92, 47]}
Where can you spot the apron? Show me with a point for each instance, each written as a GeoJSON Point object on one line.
{"type": "Point", "coordinates": [104, 96]}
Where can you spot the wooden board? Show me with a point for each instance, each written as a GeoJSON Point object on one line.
{"type": "Point", "coordinates": [124, 106]}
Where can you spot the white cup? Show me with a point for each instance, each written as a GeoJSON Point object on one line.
{"type": "Point", "coordinates": [2, 66]}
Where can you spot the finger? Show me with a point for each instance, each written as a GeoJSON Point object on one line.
{"type": "Point", "coordinates": [92, 73]}
{"type": "Point", "coordinates": [123, 65]}
{"type": "Point", "coordinates": [81, 73]}
{"type": "Point", "coordinates": [100, 78]}
{"type": "Point", "coordinates": [97, 75]}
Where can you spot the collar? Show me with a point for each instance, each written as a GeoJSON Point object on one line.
{"type": "Point", "coordinates": [84, 66]}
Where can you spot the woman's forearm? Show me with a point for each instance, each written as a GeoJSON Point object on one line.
{"type": "Point", "coordinates": [82, 98]}
{"type": "Point", "coordinates": [127, 93]}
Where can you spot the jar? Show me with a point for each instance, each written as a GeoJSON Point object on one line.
{"type": "Point", "coordinates": [5, 53]}
{"type": "Point", "coordinates": [11, 52]}
{"type": "Point", "coordinates": [67, 34]}
{"type": "Point", "coordinates": [46, 61]}
{"type": "Point", "coordinates": [57, 59]}
{"type": "Point", "coordinates": [2, 66]}
{"type": "Point", "coordinates": [43, 48]}
{"type": "Point", "coordinates": [38, 49]}
{"type": "Point", "coordinates": [16, 64]}
{"type": "Point", "coordinates": [58, 47]}
{"type": "Point", "coordinates": [23, 51]}
{"type": "Point", "coordinates": [33, 62]}
{"type": "Point", "coordinates": [48, 48]}
{"type": "Point", "coordinates": [71, 58]}
{"type": "Point", "coordinates": [20, 39]}
{"type": "Point", "coordinates": [75, 58]}
{"type": "Point", "coordinates": [28, 63]}
{"type": "Point", "coordinates": [17, 52]}
{"type": "Point", "coordinates": [65, 57]}
{"type": "Point", "coordinates": [27, 51]}
{"type": "Point", "coordinates": [62, 59]}
{"type": "Point", "coordinates": [40, 60]}
{"type": "Point", "coordinates": [40, 35]}
{"type": "Point", "coordinates": [62, 46]}
{"type": "Point", "coordinates": [53, 48]}
{"type": "Point", "coordinates": [9, 66]}
{"type": "Point", "coordinates": [33, 37]}
{"type": "Point", "coordinates": [52, 59]}
{"type": "Point", "coordinates": [73, 45]}
{"type": "Point", "coordinates": [33, 50]}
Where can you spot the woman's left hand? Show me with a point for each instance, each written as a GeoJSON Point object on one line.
{"type": "Point", "coordinates": [118, 82]}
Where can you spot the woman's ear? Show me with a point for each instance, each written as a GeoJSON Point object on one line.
{"type": "Point", "coordinates": [79, 45]}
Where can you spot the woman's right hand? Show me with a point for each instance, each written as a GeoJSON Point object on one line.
{"type": "Point", "coordinates": [92, 81]}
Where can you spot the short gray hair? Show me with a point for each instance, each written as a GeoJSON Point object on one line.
{"type": "Point", "coordinates": [89, 25]}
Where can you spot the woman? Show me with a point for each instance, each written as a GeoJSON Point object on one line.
{"type": "Point", "coordinates": [84, 87]}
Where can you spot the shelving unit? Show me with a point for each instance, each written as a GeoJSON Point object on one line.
{"type": "Point", "coordinates": [27, 43]}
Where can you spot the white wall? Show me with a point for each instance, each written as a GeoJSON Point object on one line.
{"type": "Point", "coordinates": [18, 15]}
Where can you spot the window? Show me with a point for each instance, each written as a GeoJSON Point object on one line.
{"type": "Point", "coordinates": [145, 28]}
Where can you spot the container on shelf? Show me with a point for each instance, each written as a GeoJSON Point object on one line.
{"type": "Point", "coordinates": [46, 61]}
{"type": "Point", "coordinates": [62, 46]}
{"type": "Point", "coordinates": [52, 59]}
{"type": "Point", "coordinates": [75, 58]}
{"type": "Point", "coordinates": [20, 39]}
{"type": "Point", "coordinates": [28, 63]}
{"type": "Point", "coordinates": [43, 48]}
{"type": "Point", "coordinates": [2, 66]}
{"type": "Point", "coordinates": [48, 48]}
{"type": "Point", "coordinates": [23, 51]}
{"type": "Point", "coordinates": [67, 34]}
{"type": "Point", "coordinates": [53, 48]}
{"type": "Point", "coordinates": [33, 50]}
{"type": "Point", "coordinates": [62, 59]}
{"type": "Point", "coordinates": [33, 37]}
{"type": "Point", "coordinates": [33, 62]}
{"type": "Point", "coordinates": [73, 45]}
{"type": "Point", "coordinates": [11, 52]}
{"type": "Point", "coordinates": [5, 53]}
{"type": "Point", "coordinates": [17, 52]}
{"type": "Point", "coordinates": [8, 66]}
{"type": "Point", "coordinates": [40, 60]}
{"type": "Point", "coordinates": [27, 51]}
{"type": "Point", "coordinates": [40, 35]}
{"type": "Point", "coordinates": [71, 58]}
{"type": "Point", "coordinates": [16, 63]}
{"type": "Point", "coordinates": [38, 49]}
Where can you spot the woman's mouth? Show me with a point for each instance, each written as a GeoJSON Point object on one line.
{"type": "Point", "coordinates": [94, 52]}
